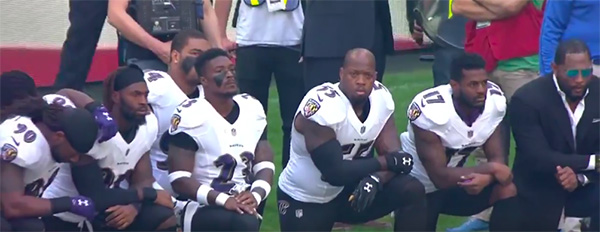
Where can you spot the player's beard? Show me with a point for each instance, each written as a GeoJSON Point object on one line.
{"type": "Point", "coordinates": [130, 115]}
{"type": "Point", "coordinates": [469, 102]}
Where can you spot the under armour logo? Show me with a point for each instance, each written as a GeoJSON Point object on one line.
{"type": "Point", "coordinates": [368, 187]}
{"type": "Point", "coordinates": [83, 202]}
{"type": "Point", "coordinates": [107, 116]}
{"type": "Point", "coordinates": [406, 161]}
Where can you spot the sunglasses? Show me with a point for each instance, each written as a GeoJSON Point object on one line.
{"type": "Point", "coordinates": [574, 73]}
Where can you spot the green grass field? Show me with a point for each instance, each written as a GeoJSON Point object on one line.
{"type": "Point", "coordinates": [403, 85]}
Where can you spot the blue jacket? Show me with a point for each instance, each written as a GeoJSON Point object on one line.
{"type": "Point", "coordinates": [569, 19]}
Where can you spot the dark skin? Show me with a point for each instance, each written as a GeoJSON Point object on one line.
{"type": "Point", "coordinates": [189, 81]}
{"type": "Point", "coordinates": [470, 93]}
{"type": "Point", "coordinates": [135, 96]}
{"type": "Point", "coordinates": [574, 89]}
{"type": "Point", "coordinates": [220, 96]}
{"type": "Point", "coordinates": [15, 204]}
{"type": "Point", "coordinates": [357, 78]}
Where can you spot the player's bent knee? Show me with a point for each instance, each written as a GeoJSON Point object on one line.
{"type": "Point", "coordinates": [245, 222]}
{"type": "Point", "coordinates": [504, 191]}
{"type": "Point", "coordinates": [26, 224]}
{"type": "Point", "coordinates": [168, 225]}
{"type": "Point", "coordinates": [408, 187]}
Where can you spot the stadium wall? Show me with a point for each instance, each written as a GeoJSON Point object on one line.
{"type": "Point", "coordinates": [32, 33]}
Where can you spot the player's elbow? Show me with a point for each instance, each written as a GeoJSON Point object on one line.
{"type": "Point", "coordinates": [16, 207]}
{"type": "Point", "coordinates": [336, 176]}
{"type": "Point", "coordinates": [115, 16]}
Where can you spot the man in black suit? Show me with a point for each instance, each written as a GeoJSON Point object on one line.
{"type": "Point", "coordinates": [331, 28]}
{"type": "Point", "coordinates": [555, 121]}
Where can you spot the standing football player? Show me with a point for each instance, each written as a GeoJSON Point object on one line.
{"type": "Point", "coordinates": [168, 90]}
{"type": "Point", "coordinates": [122, 162]}
{"type": "Point", "coordinates": [218, 154]}
{"type": "Point", "coordinates": [447, 123]}
{"type": "Point", "coordinates": [34, 139]}
{"type": "Point", "coordinates": [332, 176]}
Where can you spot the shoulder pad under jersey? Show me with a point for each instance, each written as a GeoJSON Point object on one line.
{"type": "Point", "coordinates": [161, 88]}
{"type": "Point", "coordinates": [497, 98]}
{"type": "Point", "coordinates": [190, 114]}
{"type": "Point", "coordinates": [430, 108]}
{"type": "Point", "coordinates": [324, 105]}
{"type": "Point", "coordinates": [382, 95]}
{"type": "Point", "coordinates": [251, 103]}
{"type": "Point", "coordinates": [58, 99]}
{"type": "Point", "coordinates": [22, 142]}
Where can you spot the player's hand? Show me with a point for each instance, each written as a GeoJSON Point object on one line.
{"type": "Point", "coordinates": [246, 198]}
{"type": "Point", "coordinates": [233, 205]}
{"type": "Point", "coordinates": [83, 206]}
{"type": "Point", "coordinates": [502, 173]}
{"type": "Point", "coordinates": [475, 182]}
{"type": "Point", "coordinates": [164, 198]}
{"type": "Point", "coordinates": [364, 193]}
{"type": "Point", "coordinates": [108, 127]}
{"type": "Point", "coordinates": [227, 44]}
{"type": "Point", "coordinates": [163, 51]}
{"type": "Point", "coordinates": [399, 162]}
{"type": "Point", "coordinates": [417, 34]}
{"type": "Point", "coordinates": [120, 216]}
{"type": "Point", "coordinates": [567, 178]}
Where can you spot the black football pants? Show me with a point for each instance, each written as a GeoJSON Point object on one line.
{"type": "Point", "coordinates": [255, 66]}
{"type": "Point", "coordinates": [87, 19]}
{"type": "Point", "coordinates": [22, 224]}
{"type": "Point", "coordinates": [403, 194]}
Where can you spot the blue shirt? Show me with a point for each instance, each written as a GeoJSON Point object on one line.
{"type": "Point", "coordinates": [569, 19]}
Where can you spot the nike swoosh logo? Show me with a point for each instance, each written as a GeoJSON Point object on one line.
{"type": "Point", "coordinates": [595, 120]}
{"type": "Point", "coordinates": [14, 140]}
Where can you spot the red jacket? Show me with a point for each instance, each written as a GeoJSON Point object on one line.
{"type": "Point", "coordinates": [516, 36]}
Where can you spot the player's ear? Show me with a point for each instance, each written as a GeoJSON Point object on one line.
{"type": "Point", "coordinates": [554, 67]}
{"type": "Point", "coordinates": [57, 138]}
{"type": "Point", "coordinates": [115, 97]}
{"type": "Point", "coordinates": [203, 80]}
{"type": "Point", "coordinates": [454, 84]}
{"type": "Point", "coordinates": [175, 56]}
{"type": "Point", "coordinates": [341, 72]}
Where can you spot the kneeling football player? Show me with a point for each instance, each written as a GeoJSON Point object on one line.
{"type": "Point", "coordinates": [218, 155]}
{"type": "Point", "coordinates": [35, 138]}
{"type": "Point", "coordinates": [446, 124]}
{"type": "Point", "coordinates": [120, 163]}
{"type": "Point", "coordinates": [332, 175]}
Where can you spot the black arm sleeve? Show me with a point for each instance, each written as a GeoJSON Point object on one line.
{"type": "Point", "coordinates": [337, 171]}
{"type": "Point", "coordinates": [184, 141]}
{"type": "Point", "coordinates": [89, 182]}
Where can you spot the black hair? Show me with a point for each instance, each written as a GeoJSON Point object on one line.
{"type": "Point", "coordinates": [15, 85]}
{"type": "Point", "coordinates": [465, 61]}
{"type": "Point", "coordinates": [108, 88]}
{"type": "Point", "coordinates": [570, 46]}
{"type": "Point", "coordinates": [207, 56]}
{"type": "Point", "coordinates": [181, 38]}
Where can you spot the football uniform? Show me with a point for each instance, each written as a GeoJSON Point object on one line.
{"type": "Point", "coordinates": [328, 106]}
{"type": "Point", "coordinates": [116, 158]}
{"type": "Point", "coordinates": [164, 96]}
{"type": "Point", "coordinates": [58, 99]}
{"type": "Point", "coordinates": [24, 145]}
{"type": "Point", "coordinates": [433, 110]}
{"type": "Point", "coordinates": [225, 152]}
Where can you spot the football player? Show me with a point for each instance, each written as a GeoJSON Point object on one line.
{"type": "Point", "coordinates": [446, 124]}
{"type": "Point", "coordinates": [332, 175]}
{"type": "Point", "coordinates": [34, 140]}
{"type": "Point", "coordinates": [218, 154]}
{"type": "Point", "coordinates": [168, 90]}
{"type": "Point", "coordinates": [123, 162]}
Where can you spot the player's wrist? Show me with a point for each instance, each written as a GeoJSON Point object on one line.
{"type": "Point", "coordinates": [148, 194]}
{"type": "Point", "coordinates": [221, 199]}
{"type": "Point", "coordinates": [92, 106]}
{"type": "Point", "coordinates": [61, 204]}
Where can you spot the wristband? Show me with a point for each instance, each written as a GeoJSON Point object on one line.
{"type": "Point", "coordinates": [150, 194]}
{"type": "Point", "coordinates": [92, 106]}
{"type": "Point", "coordinates": [202, 194]}
{"type": "Point", "coordinates": [257, 198]}
{"type": "Point", "coordinates": [157, 186]}
{"type": "Point", "coordinates": [262, 165]}
{"type": "Point", "coordinates": [178, 174]}
{"type": "Point", "coordinates": [59, 205]}
{"type": "Point", "coordinates": [261, 184]}
{"type": "Point", "coordinates": [221, 199]}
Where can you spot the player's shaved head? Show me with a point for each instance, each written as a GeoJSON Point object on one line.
{"type": "Point", "coordinates": [358, 55]}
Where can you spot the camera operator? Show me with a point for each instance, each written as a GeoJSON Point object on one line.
{"type": "Point", "coordinates": [139, 45]}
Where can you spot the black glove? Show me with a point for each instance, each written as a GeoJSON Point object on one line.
{"type": "Point", "coordinates": [365, 192]}
{"type": "Point", "coordinates": [399, 162]}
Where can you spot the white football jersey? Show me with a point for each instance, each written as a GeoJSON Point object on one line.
{"type": "Point", "coordinates": [225, 151]}
{"type": "Point", "coordinates": [433, 110]}
{"type": "Point", "coordinates": [164, 97]}
{"type": "Point", "coordinates": [116, 158]}
{"type": "Point", "coordinates": [328, 106]}
{"type": "Point", "coordinates": [24, 145]}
